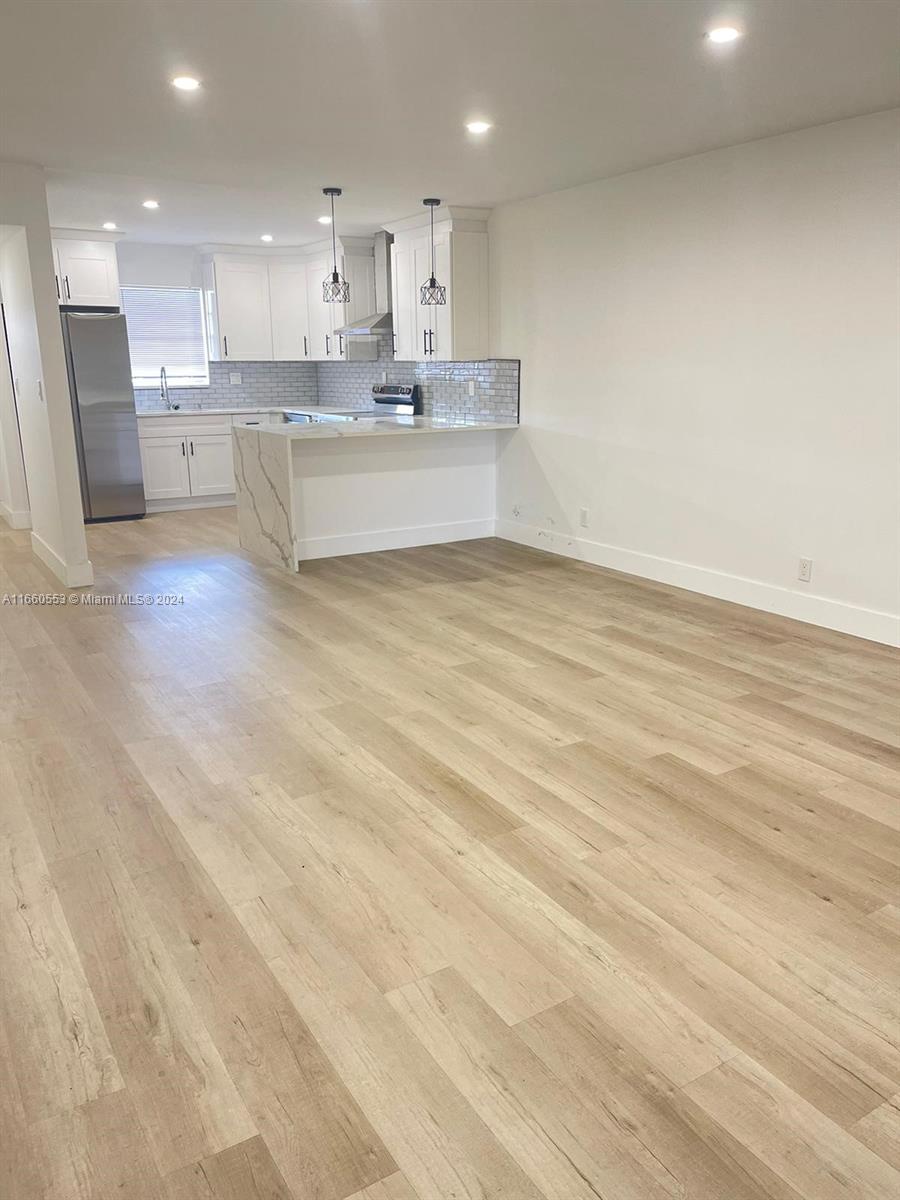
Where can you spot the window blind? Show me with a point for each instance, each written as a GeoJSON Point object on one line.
{"type": "Point", "coordinates": [165, 329]}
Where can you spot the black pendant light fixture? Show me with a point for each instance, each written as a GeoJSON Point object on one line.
{"type": "Point", "coordinates": [335, 289]}
{"type": "Point", "coordinates": [431, 292]}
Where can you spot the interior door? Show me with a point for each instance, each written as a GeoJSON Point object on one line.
{"type": "Point", "coordinates": [290, 312]}
{"type": "Point", "coordinates": [165, 466]}
{"type": "Point", "coordinates": [211, 464]}
{"type": "Point", "coordinates": [242, 299]}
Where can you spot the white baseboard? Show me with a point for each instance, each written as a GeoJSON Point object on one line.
{"type": "Point", "coordinates": [814, 610]}
{"type": "Point", "coordinates": [393, 539]}
{"type": "Point", "coordinates": [72, 575]}
{"type": "Point", "coordinates": [15, 519]}
{"type": "Point", "coordinates": [154, 506]}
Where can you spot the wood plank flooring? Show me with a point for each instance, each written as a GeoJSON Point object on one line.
{"type": "Point", "coordinates": [455, 873]}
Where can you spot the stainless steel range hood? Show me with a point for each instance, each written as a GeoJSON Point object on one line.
{"type": "Point", "coordinates": [381, 320]}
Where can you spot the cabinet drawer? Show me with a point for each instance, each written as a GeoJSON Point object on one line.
{"type": "Point", "coordinates": [184, 426]}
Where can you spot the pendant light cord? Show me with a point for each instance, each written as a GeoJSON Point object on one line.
{"type": "Point", "coordinates": [431, 206]}
{"type": "Point", "coordinates": [333, 239]}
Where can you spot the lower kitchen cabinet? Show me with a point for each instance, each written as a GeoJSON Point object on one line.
{"type": "Point", "coordinates": [165, 466]}
{"type": "Point", "coordinates": [193, 465]}
{"type": "Point", "coordinates": [210, 464]}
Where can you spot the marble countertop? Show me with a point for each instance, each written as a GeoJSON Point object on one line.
{"type": "Point", "coordinates": [372, 427]}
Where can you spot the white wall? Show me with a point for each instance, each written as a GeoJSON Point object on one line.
{"type": "Point", "coordinates": [13, 489]}
{"type": "Point", "coordinates": [39, 368]}
{"type": "Point", "coordinates": [142, 264]}
{"type": "Point", "coordinates": [710, 366]}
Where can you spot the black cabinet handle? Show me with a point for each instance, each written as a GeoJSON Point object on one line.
{"type": "Point", "coordinates": [68, 289]}
{"type": "Point", "coordinates": [56, 277]}
{"type": "Point", "coordinates": [341, 345]}
{"type": "Point", "coordinates": [431, 341]}
{"type": "Point", "coordinates": [327, 344]}
{"type": "Point", "coordinates": [394, 336]}
{"type": "Point", "coordinates": [424, 341]}
{"type": "Point", "coordinates": [305, 347]}
{"type": "Point", "coordinates": [192, 449]}
{"type": "Point", "coordinates": [183, 451]}
{"type": "Point", "coordinates": [225, 340]}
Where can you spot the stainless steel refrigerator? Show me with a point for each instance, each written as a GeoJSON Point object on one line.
{"type": "Point", "coordinates": [106, 432]}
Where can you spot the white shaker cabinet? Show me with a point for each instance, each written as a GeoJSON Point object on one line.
{"type": "Point", "coordinates": [321, 315]}
{"type": "Point", "coordinates": [187, 456]}
{"type": "Point", "coordinates": [289, 304]}
{"type": "Point", "coordinates": [210, 464]}
{"type": "Point", "coordinates": [458, 330]}
{"type": "Point", "coordinates": [240, 315]}
{"type": "Point", "coordinates": [165, 467]}
{"type": "Point", "coordinates": [87, 272]}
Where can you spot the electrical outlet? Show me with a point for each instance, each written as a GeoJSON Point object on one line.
{"type": "Point", "coordinates": [234, 377]}
{"type": "Point", "coordinates": [517, 511]}
{"type": "Point", "coordinates": [584, 518]}
{"type": "Point", "coordinates": [804, 571]}
{"type": "Point", "coordinates": [471, 387]}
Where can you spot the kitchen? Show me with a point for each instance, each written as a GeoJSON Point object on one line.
{"type": "Point", "coordinates": [257, 346]}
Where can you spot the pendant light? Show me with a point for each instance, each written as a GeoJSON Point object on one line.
{"type": "Point", "coordinates": [335, 289]}
{"type": "Point", "coordinates": [431, 292]}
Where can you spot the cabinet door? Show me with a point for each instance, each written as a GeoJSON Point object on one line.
{"type": "Point", "coordinates": [88, 272]}
{"type": "Point", "coordinates": [321, 318]}
{"type": "Point", "coordinates": [438, 317]}
{"type": "Point", "coordinates": [165, 466]}
{"type": "Point", "coordinates": [211, 464]}
{"type": "Point", "coordinates": [423, 313]}
{"type": "Point", "coordinates": [242, 300]}
{"type": "Point", "coordinates": [404, 313]}
{"type": "Point", "coordinates": [290, 312]}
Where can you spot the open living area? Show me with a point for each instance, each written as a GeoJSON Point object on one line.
{"type": "Point", "coordinates": [449, 600]}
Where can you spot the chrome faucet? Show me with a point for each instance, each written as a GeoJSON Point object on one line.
{"type": "Point", "coordinates": [164, 388]}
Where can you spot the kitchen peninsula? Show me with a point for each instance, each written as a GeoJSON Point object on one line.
{"type": "Point", "coordinates": [309, 491]}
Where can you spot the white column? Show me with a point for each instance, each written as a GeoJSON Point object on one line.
{"type": "Point", "coordinates": [39, 369]}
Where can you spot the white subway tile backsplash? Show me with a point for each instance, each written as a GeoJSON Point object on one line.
{"type": "Point", "coordinates": [445, 386]}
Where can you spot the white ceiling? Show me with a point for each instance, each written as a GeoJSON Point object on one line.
{"type": "Point", "coordinates": [372, 95]}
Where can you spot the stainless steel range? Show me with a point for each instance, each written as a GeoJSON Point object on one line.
{"type": "Point", "coordinates": [397, 399]}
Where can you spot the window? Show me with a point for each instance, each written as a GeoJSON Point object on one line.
{"type": "Point", "coordinates": [165, 329]}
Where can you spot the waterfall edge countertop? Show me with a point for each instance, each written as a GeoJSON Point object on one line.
{"type": "Point", "coordinates": [353, 487]}
{"type": "Point", "coordinates": [377, 426]}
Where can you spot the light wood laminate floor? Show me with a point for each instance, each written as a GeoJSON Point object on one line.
{"type": "Point", "coordinates": [457, 873]}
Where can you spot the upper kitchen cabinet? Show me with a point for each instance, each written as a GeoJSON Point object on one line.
{"type": "Point", "coordinates": [87, 272]}
{"type": "Point", "coordinates": [458, 330]}
{"type": "Point", "coordinates": [289, 304]}
{"type": "Point", "coordinates": [238, 311]}
{"type": "Point", "coordinates": [356, 262]}
{"type": "Point", "coordinates": [264, 307]}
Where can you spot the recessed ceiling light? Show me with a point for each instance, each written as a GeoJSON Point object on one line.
{"type": "Point", "coordinates": [478, 126]}
{"type": "Point", "coordinates": [110, 225]}
{"type": "Point", "coordinates": [151, 204]}
{"type": "Point", "coordinates": [324, 220]}
{"type": "Point", "coordinates": [265, 237]}
{"type": "Point", "coordinates": [725, 33]}
{"type": "Point", "coordinates": [185, 83]}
